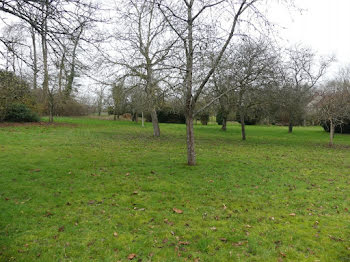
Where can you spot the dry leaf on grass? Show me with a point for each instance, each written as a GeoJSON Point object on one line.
{"type": "Point", "coordinates": [178, 211]}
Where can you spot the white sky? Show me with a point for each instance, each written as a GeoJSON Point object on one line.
{"type": "Point", "coordinates": [323, 25]}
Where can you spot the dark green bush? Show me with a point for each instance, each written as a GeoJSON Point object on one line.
{"type": "Point", "coordinates": [167, 115]}
{"type": "Point", "coordinates": [204, 118]}
{"type": "Point", "coordinates": [343, 129]}
{"type": "Point", "coordinates": [219, 117]}
{"type": "Point", "coordinates": [20, 113]}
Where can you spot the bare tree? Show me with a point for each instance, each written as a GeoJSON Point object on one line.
{"type": "Point", "coordinates": [144, 47]}
{"type": "Point", "coordinates": [333, 105]}
{"type": "Point", "coordinates": [186, 19]}
{"type": "Point", "coordinates": [299, 75]}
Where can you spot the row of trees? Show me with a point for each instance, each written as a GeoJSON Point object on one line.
{"type": "Point", "coordinates": [192, 56]}
{"type": "Point", "coordinates": [44, 42]}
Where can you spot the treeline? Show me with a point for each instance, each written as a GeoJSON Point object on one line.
{"type": "Point", "coordinates": [170, 61]}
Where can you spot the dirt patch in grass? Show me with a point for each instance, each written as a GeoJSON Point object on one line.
{"type": "Point", "coordinates": [28, 124]}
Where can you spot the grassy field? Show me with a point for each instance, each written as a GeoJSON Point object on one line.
{"type": "Point", "coordinates": [98, 190]}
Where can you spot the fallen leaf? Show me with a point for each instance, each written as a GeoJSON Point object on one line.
{"type": "Point", "coordinates": [61, 229]}
{"type": "Point", "coordinates": [135, 193]}
{"type": "Point", "coordinates": [213, 228]}
{"type": "Point", "coordinates": [166, 221]}
{"type": "Point", "coordinates": [225, 206]}
{"type": "Point", "coordinates": [178, 211]}
{"type": "Point", "coordinates": [240, 243]}
{"type": "Point", "coordinates": [283, 254]}
{"type": "Point", "coordinates": [115, 234]}
{"type": "Point", "coordinates": [48, 214]}
{"type": "Point", "coordinates": [336, 238]}
{"type": "Point", "coordinates": [127, 174]}
{"type": "Point", "coordinates": [185, 243]}
{"type": "Point", "coordinates": [131, 256]}
{"type": "Point", "coordinates": [292, 214]}
{"type": "Point", "coordinates": [35, 170]}
{"type": "Point", "coordinates": [223, 239]}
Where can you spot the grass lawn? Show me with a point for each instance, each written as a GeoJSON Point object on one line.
{"type": "Point", "coordinates": [98, 190]}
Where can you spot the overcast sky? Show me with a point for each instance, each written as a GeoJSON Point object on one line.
{"type": "Point", "coordinates": [324, 25]}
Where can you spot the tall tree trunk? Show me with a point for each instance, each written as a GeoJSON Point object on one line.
{"type": "Point", "coordinates": [224, 123]}
{"type": "Point", "coordinates": [290, 127]}
{"type": "Point", "coordinates": [60, 73]}
{"type": "Point", "coordinates": [242, 126]}
{"type": "Point", "coordinates": [51, 106]}
{"type": "Point", "coordinates": [331, 133]}
{"type": "Point", "coordinates": [143, 120]}
{"type": "Point", "coordinates": [35, 61]}
{"type": "Point", "coordinates": [156, 130]}
{"type": "Point", "coordinates": [44, 51]}
{"type": "Point", "coordinates": [191, 154]}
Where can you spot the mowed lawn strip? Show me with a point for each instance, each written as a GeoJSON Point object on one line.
{"type": "Point", "coordinates": [98, 190]}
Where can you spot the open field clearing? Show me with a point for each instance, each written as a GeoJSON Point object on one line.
{"type": "Point", "coordinates": [97, 190]}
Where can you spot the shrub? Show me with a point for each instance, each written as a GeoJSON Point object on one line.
{"type": "Point", "coordinates": [219, 118]}
{"type": "Point", "coordinates": [167, 115]}
{"type": "Point", "coordinates": [204, 118]}
{"type": "Point", "coordinates": [343, 129]}
{"type": "Point", "coordinates": [20, 113]}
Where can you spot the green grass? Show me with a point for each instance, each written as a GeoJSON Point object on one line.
{"type": "Point", "coordinates": [65, 190]}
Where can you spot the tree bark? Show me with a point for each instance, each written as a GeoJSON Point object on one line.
{"type": "Point", "coordinates": [242, 126]}
{"type": "Point", "coordinates": [51, 107]}
{"type": "Point", "coordinates": [290, 127]}
{"type": "Point", "coordinates": [191, 154]}
{"type": "Point", "coordinates": [35, 61]}
{"type": "Point", "coordinates": [60, 73]}
{"type": "Point", "coordinates": [44, 51]}
{"type": "Point", "coordinates": [156, 130]}
{"type": "Point", "coordinates": [224, 123]}
{"type": "Point", "coordinates": [331, 133]}
{"type": "Point", "coordinates": [143, 120]}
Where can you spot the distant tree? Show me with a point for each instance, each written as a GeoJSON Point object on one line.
{"type": "Point", "coordinates": [194, 24]}
{"type": "Point", "coordinates": [13, 90]}
{"type": "Point", "coordinates": [299, 75]}
{"type": "Point", "coordinates": [333, 106]}
{"type": "Point", "coordinates": [119, 99]}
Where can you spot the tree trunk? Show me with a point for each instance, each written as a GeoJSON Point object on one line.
{"type": "Point", "coordinates": [191, 154]}
{"type": "Point", "coordinates": [331, 133]}
{"type": "Point", "coordinates": [51, 107]}
{"type": "Point", "coordinates": [60, 73]}
{"type": "Point", "coordinates": [114, 117]}
{"type": "Point", "coordinates": [35, 61]}
{"type": "Point", "coordinates": [143, 120]}
{"type": "Point", "coordinates": [224, 123]}
{"type": "Point", "coordinates": [242, 126]}
{"type": "Point", "coordinates": [156, 130]}
{"type": "Point", "coordinates": [44, 51]}
{"type": "Point", "coordinates": [290, 127]}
